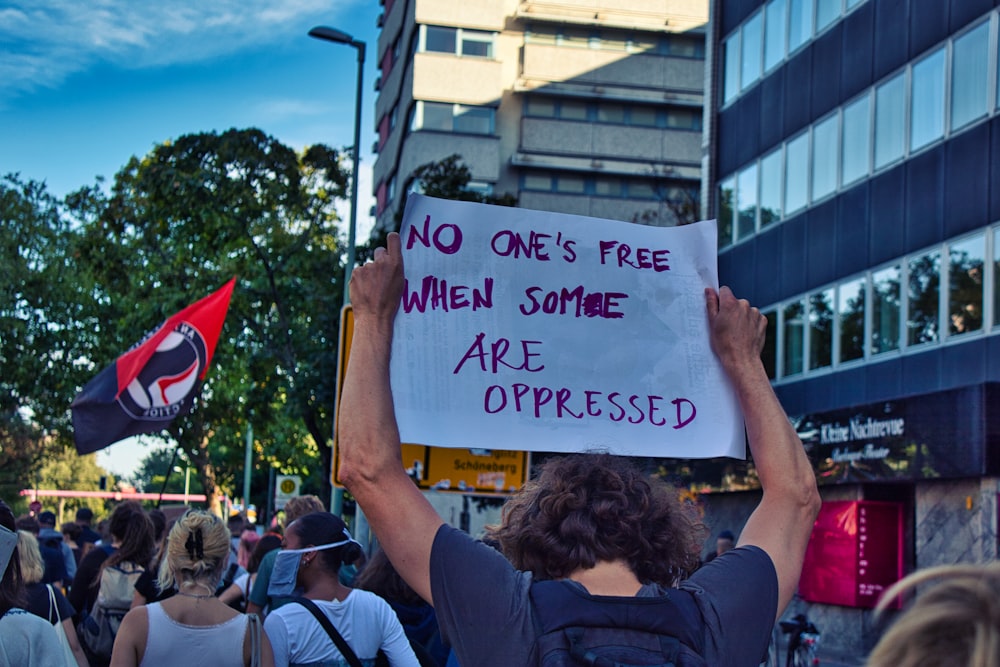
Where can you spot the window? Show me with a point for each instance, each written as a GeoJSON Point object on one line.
{"type": "Point", "coordinates": [770, 188]}
{"type": "Point", "coordinates": [610, 113]}
{"type": "Point", "coordinates": [851, 310]}
{"type": "Point", "coordinates": [641, 190]}
{"type": "Point", "coordinates": [827, 11]}
{"type": "Point", "coordinates": [573, 110]}
{"type": "Point", "coordinates": [800, 21]}
{"type": "Point", "coordinates": [462, 41]}
{"type": "Point", "coordinates": [927, 101]}
{"type": "Point", "coordinates": [769, 355]}
{"type": "Point", "coordinates": [542, 35]}
{"type": "Point", "coordinates": [774, 33]}
{"type": "Point", "coordinates": [965, 285]}
{"type": "Point", "coordinates": [885, 310]}
{"type": "Point", "coordinates": [821, 329]}
{"type": "Point", "coordinates": [750, 51]}
{"type": "Point", "coordinates": [746, 193]}
{"type": "Point", "coordinates": [477, 43]}
{"type": "Point", "coordinates": [889, 115]}
{"type": "Point", "coordinates": [824, 157]}
{"type": "Point", "coordinates": [996, 277]}
{"type": "Point", "coordinates": [685, 47]}
{"type": "Point", "coordinates": [542, 182]}
{"type": "Point", "coordinates": [608, 187]}
{"type": "Point", "coordinates": [643, 116]}
{"type": "Point", "coordinates": [727, 196]}
{"type": "Point", "coordinates": [540, 108]}
{"type": "Point", "coordinates": [452, 118]}
{"type": "Point", "coordinates": [923, 298]}
{"type": "Point", "coordinates": [436, 116]}
{"type": "Point", "coordinates": [684, 119]}
{"type": "Point", "coordinates": [571, 184]}
{"type": "Point", "coordinates": [796, 173]}
{"type": "Point", "coordinates": [440, 40]}
{"type": "Point", "coordinates": [578, 37]}
{"type": "Point", "coordinates": [856, 144]}
{"type": "Point", "coordinates": [731, 75]}
{"type": "Point", "coordinates": [793, 316]}
{"type": "Point", "coordinates": [473, 120]}
{"type": "Point", "coordinates": [969, 76]}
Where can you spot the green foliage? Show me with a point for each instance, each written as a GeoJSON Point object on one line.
{"type": "Point", "coordinates": [44, 329]}
{"type": "Point", "coordinates": [179, 223]}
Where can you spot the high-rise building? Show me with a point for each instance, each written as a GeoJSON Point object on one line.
{"type": "Point", "coordinates": [853, 168]}
{"type": "Point", "coordinates": [591, 107]}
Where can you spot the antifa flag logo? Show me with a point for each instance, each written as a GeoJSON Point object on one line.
{"type": "Point", "coordinates": [161, 390]}
{"type": "Point", "coordinates": [155, 381]}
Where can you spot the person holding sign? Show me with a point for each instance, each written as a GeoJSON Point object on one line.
{"type": "Point", "coordinates": [612, 536]}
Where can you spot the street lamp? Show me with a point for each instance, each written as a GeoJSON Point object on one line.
{"type": "Point", "coordinates": [334, 35]}
{"type": "Point", "coordinates": [187, 480]}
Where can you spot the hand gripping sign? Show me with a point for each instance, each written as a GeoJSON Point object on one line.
{"type": "Point", "coordinates": [527, 330]}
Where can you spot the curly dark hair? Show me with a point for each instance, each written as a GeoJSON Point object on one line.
{"type": "Point", "coordinates": [587, 508]}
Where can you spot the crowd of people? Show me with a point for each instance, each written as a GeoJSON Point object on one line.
{"type": "Point", "coordinates": [592, 558]}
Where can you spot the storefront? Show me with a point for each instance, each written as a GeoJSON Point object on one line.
{"type": "Point", "coordinates": [906, 484]}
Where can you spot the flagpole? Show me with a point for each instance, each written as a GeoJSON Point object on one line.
{"type": "Point", "coordinates": [166, 477]}
{"type": "Point", "coordinates": [248, 461]}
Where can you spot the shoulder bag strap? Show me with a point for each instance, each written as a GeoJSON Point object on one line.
{"type": "Point", "coordinates": [255, 640]}
{"type": "Point", "coordinates": [53, 606]}
{"type": "Point", "coordinates": [342, 646]}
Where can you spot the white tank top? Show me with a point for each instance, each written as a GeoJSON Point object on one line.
{"type": "Point", "coordinates": [171, 643]}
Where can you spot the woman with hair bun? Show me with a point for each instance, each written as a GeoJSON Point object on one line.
{"type": "Point", "coordinates": [315, 547]}
{"type": "Point", "coordinates": [193, 627]}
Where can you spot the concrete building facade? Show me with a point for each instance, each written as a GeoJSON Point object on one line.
{"type": "Point", "coordinates": [591, 107]}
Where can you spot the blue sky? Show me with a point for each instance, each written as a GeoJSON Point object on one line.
{"type": "Point", "coordinates": [86, 85]}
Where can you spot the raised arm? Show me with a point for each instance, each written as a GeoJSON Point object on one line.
{"type": "Point", "coordinates": [371, 466]}
{"type": "Point", "coordinates": [782, 522]}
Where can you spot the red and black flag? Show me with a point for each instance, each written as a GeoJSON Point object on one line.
{"type": "Point", "coordinates": [155, 381]}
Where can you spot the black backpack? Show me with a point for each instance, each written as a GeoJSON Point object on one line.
{"type": "Point", "coordinates": [576, 629]}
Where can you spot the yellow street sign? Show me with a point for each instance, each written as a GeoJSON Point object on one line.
{"type": "Point", "coordinates": [478, 471]}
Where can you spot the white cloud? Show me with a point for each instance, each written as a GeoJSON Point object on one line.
{"type": "Point", "coordinates": [44, 41]}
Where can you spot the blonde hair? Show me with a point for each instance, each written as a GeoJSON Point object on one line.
{"type": "Point", "coordinates": [300, 506]}
{"type": "Point", "coordinates": [197, 552]}
{"type": "Point", "coordinates": [32, 565]}
{"type": "Point", "coordinates": [954, 622]}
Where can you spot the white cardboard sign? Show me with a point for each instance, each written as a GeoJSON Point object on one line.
{"type": "Point", "coordinates": [537, 331]}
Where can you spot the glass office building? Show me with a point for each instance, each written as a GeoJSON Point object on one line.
{"type": "Point", "coordinates": [852, 157]}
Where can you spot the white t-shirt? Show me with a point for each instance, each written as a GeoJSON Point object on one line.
{"type": "Point", "coordinates": [365, 621]}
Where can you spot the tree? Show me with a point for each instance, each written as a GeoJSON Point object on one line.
{"type": "Point", "coordinates": [45, 332]}
{"type": "Point", "coordinates": [445, 179]}
{"type": "Point", "coordinates": [63, 469]}
{"type": "Point", "coordinates": [183, 220]}
{"type": "Point", "coordinates": [677, 201]}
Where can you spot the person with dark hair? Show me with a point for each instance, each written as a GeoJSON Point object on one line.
{"type": "Point", "coordinates": [27, 640]}
{"type": "Point", "coordinates": [315, 547]}
{"type": "Point", "coordinates": [724, 541]}
{"type": "Point", "coordinates": [84, 517]}
{"type": "Point", "coordinates": [71, 532]}
{"type": "Point", "coordinates": [416, 616]}
{"type": "Point", "coordinates": [192, 628]}
{"type": "Point", "coordinates": [591, 526]}
{"type": "Point", "coordinates": [260, 601]}
{"type": "Point", "coordinates": [159, 520]}
{"type": "Point", "coordinates": [55, 565]}
{"type": "Point", "coordinates": [50, 537]}
{"type": "Point", "coordinates": [105, 573]}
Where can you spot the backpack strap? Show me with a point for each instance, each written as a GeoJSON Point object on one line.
{"type": "Point", "coordinates": [253, 623]}
{"type": "Point", "coordinates": [345, 650]}
{"type": "Point", "coordinates": [562, 604]}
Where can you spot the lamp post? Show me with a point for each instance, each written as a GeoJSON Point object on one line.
{"type": "Point", "coordinates": [339, 37]}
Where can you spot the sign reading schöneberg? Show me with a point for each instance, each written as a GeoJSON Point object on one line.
{"type": "Point", "coordinates": [539, 331]}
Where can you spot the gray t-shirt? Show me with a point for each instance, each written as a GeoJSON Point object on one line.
{"type": "Point", "coordinates": [484, 611]}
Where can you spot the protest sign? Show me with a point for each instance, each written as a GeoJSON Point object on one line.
{"type": "Point", "coordinates": [528, 330]}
